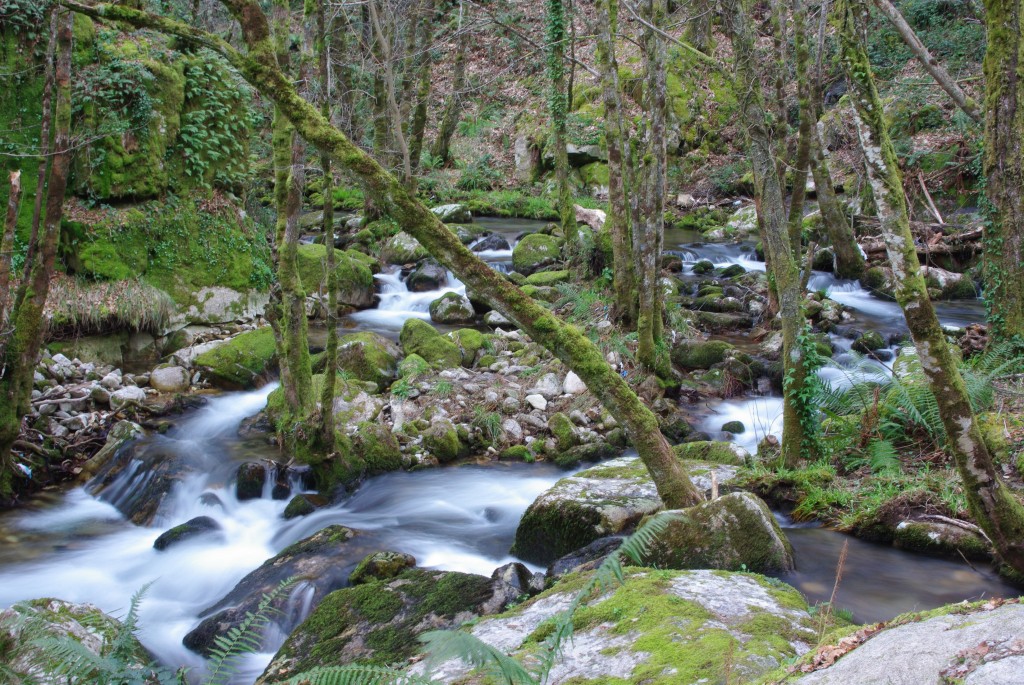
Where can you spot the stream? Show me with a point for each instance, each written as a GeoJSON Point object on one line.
{"type": "Point", "coordinates": [79, 548]}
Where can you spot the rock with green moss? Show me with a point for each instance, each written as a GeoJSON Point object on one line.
{"type": "Point", "coordinates": [452, 308]}
{"type": "Point", "coordinates": [736, 427]}
{"type": "Point", "coordinates": [715, 452]}
{"type": "Point", "coordinates": [881, 282]}
{"type": "Point", "coordinates": [548, 278]}
{"type": "Point", "coordinates": [534, 252]}
{"type": "Point", "coordinates": [200, 526]}
{"type": "Point", "coordinates": [300, 505]}
{"type": "Point", "coordinates": [868, 342]}
{"type": "Point", "coordinates": [591, 452]}
{"type": "Point", "coordinates": [517, 453]}
{"type": "Point", "coordinates": [603, 500]}
{"type": "Point", "coordinates": [377, 622]}
{"type": "Point", "coordinates": [469, 342]}
{"type": "Point", "coordinates": [699, 354]}
{"type": "Point", "coordinates": [703, 266]}
{"type": "Point", "coordinates": [734, 532]}
{"type": "Point", "coordinates": [717, 303]}
{"type": "Point", "coordinates": [369, 356]}
{"type": "Point", "coordinates": [420, 338]}
{"type": "Point", "coordinates": [355, 279]}
{"type": "Point", "coordinates": [453, 214]}
{"type": "Point", "coordinates": [941, 539]}
{"type": "Point", "coordinates": [733, 271]}
{"type": "Point", "coordinates": [243, 362]}
{"type": "Point", "coordinates": [442, 441]}
{"type": "Point", "coordinates": [562, 431]}
{"type": "Point", "coordinates": [314, 559]}
{"type": "Point", "coordinates": [541, 293]}
{"type": "Point", "coordinates": [402, 248]}
{"type": "Point", "coordinates": [381, 566]}
{"type": "Point", "coordinates": [717, 322]}
{"type": "Point", "coordinates": [658, 627]}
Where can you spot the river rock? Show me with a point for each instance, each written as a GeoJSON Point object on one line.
{"type": "Point", "coordinates": [699, 354]}
{"type": "Point", "coordinates": [200, 526]}
{"type": "Point", "coordinates": [603, 500]}
{"type": "Point", "coordinates": [402, 248]}
{"type": "Point", "coordinates": [534, 252]}
{"type": "Point", "coordinates": [369, 356]}
{"type": "Point", "coordinates": [548, 386]}
{"type": "Point", "coordinates": [419, 337]}
{"type": "Point", "coordinates": [381, 566]}
{"type": "Point", "coordinates": [111, 381]}
{"type": "Point", "coordinates": [300, 505]}
{"type": "Point", "coordinates": [318, 560]}
{"type": "Point", "coordinates": [658, 628]}
{"type": "Point", "coordinates": [452, 308]}
{"type": "Point", "coordinates": [353, 405]}
{"type": "Point", "coordinates": [573, 385]}
{"type": "Point", "coordinates": [491, 243]}
{"type": "Point", "coordinates": [217, 304]}
{"type": "Point", "coordinates": [249, 481]}
{"type": "Point", "coordinates": [975, 646]}
{"type": "Point", "coordinates": [125, 397]}
{"type": "Point", "coordinates": [496, 318]}
{"type": "Point", "coordinates": [743, 222]}
{"type": "Point", "coordinates": [170, 379]}
{"type": "Point", "coordinates": [453, 214]}
{"type": "Point", "coordinates": [378, 621]}
{"type": "Point", "coordinates": [426, 277]}
{"type": "Point", "coordinates": [243, 362]}
{"type": "Point", "coordinates": [536, 401]}
{"type": "Point", "coordinates": [119, 434]}
{"type": "Point", "coordinates": [139, 478]}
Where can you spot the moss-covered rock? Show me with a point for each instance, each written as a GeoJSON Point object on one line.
{"type": "Point", "coordinates": [736, 427]}
{"type": "Point", "coordinates": [548, 278]}
{"type": "Point", "coordinates": [442, 441]}
{"type": "Point", "coordinates": [700, 354]}
{"type": "Point", "coordinates": [714, 452]}
{"type": "Point", "coordinates": [377, 622]}
{"type": "Point", "coordinates": [534, 252]}
{"type": "Point", "coordinates": [381, 566]}
{"type": "Point", "coordinates": [587, 453]}
{"type": "Point", "coordinates": [200, 526]}
{"type": "Point", "coordinates": [377, 447]}
{"type": "Point", "coordinates": [452, 308]}
{"type": "Point", "coordinates": [562, 431]}
{"type": "Point", "coordinates": [300, 505]}
{"type": "Point", "coordinates": [881, 282]}
{"type": "Point", "coordinates": [370, 357]}
{"type": "Point", "coordinates": [419, 337]}
{"type": "Point", "coordinates": [869, 341]}
{"type": "Point", "coordinates": [703, 266]}
{"type": "Point", "coordinates": [355, 279]}
{"type": "Point", "coordinates": [402, 248]}
{"type": "Point", "coordinates": [941, 539]}
{"type": "Point", "coordinates": [469, 342]}
{"type": "Point", "coordinates": [241, 363]}
{"type": "Point", "coordinates": [453, 214]}
{"type": "Point", "coordinates": [734, 532]}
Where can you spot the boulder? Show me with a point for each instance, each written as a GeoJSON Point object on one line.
{"type": "Point", "coordinates": [658, 628]}
{"type": "Point", "coordinates": [491, 243]}
{"type": "Point", "coordinates": [581, 155]}
{"type": "Point", "coordinates": [700, 354]}
{"type": "Point", "coordinates": [402, 248]}
{"type": "Point", "coordinates": [381, 566]}
{"type": "Point", "coordinates": [469, 342]}
{"type": "Point", "coordinates": [441, 440]}
{"type": "Point", "coordinates": [603, 500]}
{"type": "Point", "coordinates": [369, 356]}
{"type": "Point", "coordinates": [548, 278]}
{"type": "Point", "coordinates": [314, 559]}
{"type": "Point", "coordinates": [731, 533]}
{"type": "Point", "coordinates": [452, 308]}
{"type": "Point", "coordinates": [868, 342]}
{"type": "Point", "coordinates": [249, 480]}
{"type": "Point", "coordinates": [217, 304]}
{"type": "Point", "coordinates": [426, 277]}
{"type": "Point", "coordinates": [453, 214]}
{"type": "Point", "coordinates": [419, 337]}
{"type": "Point", "coordinates": [743, 222]}
{"type": "Point", "coordinates": [547, 386]}
{"type": "Point", "coordinates": [243, 362]}
{"type": "Point", "coordinates": [496, 318]}
{"type": "Point", "coordinates": [200, 526]}
{"type": "Point", "coordinates": [170, 379]}
{"type": "Point", "coordinates": [714, 452]}
{"type": "Point", "coordinates": [534, 252]}
{"type": "Point", "coordinates": [377, 622]}
{"type": "Point", "coordinates": [132, 395]}
{"type": "Point", "coordinates": [353, 405]}
{"type": "Point", "coordinates": [703, 266]}
{"type": "Point", "coordinates": [573, 385]}
{"type": "Point", "coordinates": [300, 505]}
{"type": "Point", "coordinates": [354, 276]}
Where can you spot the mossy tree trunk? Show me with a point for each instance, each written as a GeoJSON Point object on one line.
{"type": "Point", "coordinates": [802, 57]}
{"type": "Point", "coordinates": [442, 148]}
{"type": "Point", "coordinates": [22, 346]}
{"type": "Point", "coordinates": [418, 125]}
{"type": "Point", "coordinates": [996, 509]}
{"type": "Point", "coordinates": [1004, 167]}
{"type": "Point", "coordinates": [649, 230]}
{"type": "Point", "coordinates": [782, 264]}
{"type": "Point", "coordinates": [618, 220]}
{"type": "Point", "coordinates": [7, 243]}
{"type": "Point", "coordinates": [558, 110]}
{"type": "Point", "coordinates": [849, 260]}
{"type": "Point", "coordinates": [259, 67]}
{"type": "Point", "coordinates": [388, 87]}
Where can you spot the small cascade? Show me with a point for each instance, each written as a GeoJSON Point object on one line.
{"type": "Point", "coordinates": [398, 303]}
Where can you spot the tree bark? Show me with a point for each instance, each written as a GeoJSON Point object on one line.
{"type": "Point", "coordinates": [1004, 167]}
{"type": "Point", "coordinates": [327, 441]}
{"type": "Point", "coordinates": [7, 245]}
{"type": "Point", "coordinates": [259, 67]}
{"type": "Point", "coordinates": [994, 507]}
{"type": "Point", "coordinates": [618, 219]}
{"type": "Point", "coordinates": [849, 260]}
{"type": "Point", "coordinates": [930, 64]}
{"type": "Point", "coordinates": [419, 114]}
{"type": "Point", "coordinates": [22, 348]}
{"type": "Point", "coordinates": [802, 55]}
{"type": "Point", "coordinates": [784, 269]}
{"type": "Point", "coordinates": [558, 109]}
{"type": "Point", "coordinates": [442, 145]}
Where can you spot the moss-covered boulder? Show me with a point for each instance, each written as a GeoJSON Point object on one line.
{"type": "Point", "coordinates": [941, 539]}
{"type": "Point", "coordinates": [718, 322]}
{"type": "Point", "coordinates": [200, 526]}
{"type": "Point", "coordinates": [370, 357]}
{"type": "Point", "coordinates": [355, 278]}
{"type": "Point", "coordinates": [314, 559]}
{"type": "Point", "coordinates": [469, 341]}
{"type": "Point", "coordinates": [732, 533]}
{"type": "Point", "coordinates": [442, 441]}
{"type": "Point", "coordinates": [402, 248]}
{"type": "Point", "coordinates": [603, 500]}
{"type": "Point", "coordinates": [453, 214]}
{"type": "Point", "coordinates": [381, 566]}
{"type": "Point", "coordinates": [377, 622]}
{"type": "Point", "coordinates": [534, 252]}
{"type": "Point", "coordinates": [562, 431]}
{"type": "Point", "coordinates": [714, 452]}
{"type": "Point", "coordinates": [699, 354]}
{"type": "Point", "coordinates": [868, 342]}
{"type": "Point", "coordinates": [881, 282]}
{"type": "Point", "coordinates": [419, 337]}
{"type": "Point", "coordinates": [548, 278]}
{"type": "Point", "coordinates": [703, 266]}
{"type": "Point", "coordinates": [659, 627]}
{"type": "Point", "coordinates": [242, 363]}
{"type": "Point", "coordinates": [300, 505]}
{"type": "Point", "coordinates": [452, 308]}
{"type": "Point", "coordinates": [377, 447]}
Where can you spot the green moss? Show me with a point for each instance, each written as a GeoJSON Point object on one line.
{"type": "Point", "coordinates": [378, 448]}
{"type": "Point", "coordinates": [714, 452]}
{"type": "Point", "coordinates": [548, 278]}
{"type": "Point", "coordinates": [595, 175]}
{"type": "Point", "coordinates": [696, 354]}
{"type": "Point", "coordinates": [369, 357]}
{"type": "Point", "coordinates": [547, 533]}
{"type": "Point", "coordinates": [470, 342]}
{"type": "Point", "coordinates": [419, 337]}
{"type": "Point", "coordinates": [534, 251]}
{"type": "Point", "coordinates": [355, 279]}
{"type": "Point", "coordinates": [242, 362]}
{"type": "Point", "coordinates": [442, 441]}
{"type": "Point", "coordinates": [563, 431]}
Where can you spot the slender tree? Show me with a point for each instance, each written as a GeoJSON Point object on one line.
{"type": "Point", "coordinates": [558, 110]}
{"type": "Point", "coordinates": [260, 68]}
{"type": "Point", "coordinates": [994, 506]}
{"type": "Point", "coordinates": [7, 244]}
{"type": "Point", "coordinates": [418, 125]}
{"type": "Point", "coordinates": [801, 167]}
{"type": "Point", "coordinates": [442, 149]}
{"type": "Point", "coordinates": [1004, 167]}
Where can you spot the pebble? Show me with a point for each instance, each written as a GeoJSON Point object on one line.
{"type": "Point", "coordinates": [537, 401]}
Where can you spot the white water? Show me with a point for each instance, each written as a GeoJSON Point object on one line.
{"type": "Point", "coordinates": [398, 304]}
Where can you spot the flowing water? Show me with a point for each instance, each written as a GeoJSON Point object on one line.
{"type": "Point", "coordinates": [82, 549]}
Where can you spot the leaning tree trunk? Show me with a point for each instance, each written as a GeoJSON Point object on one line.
{"type": "Point", "coordinates": [995, 508]}
{"type": "Point", "coordinates": [259, 67]}
{"type": "Point", "coordinates": [797, 417]}
{"type": "Point", "coordinates": [1004, 167]}
{"type": "Point", "coordinates": [22, 349]}
{"type": "Point", "coordinates": [558, 109]}
{"type": "Point", "coordinates": [618, 220]}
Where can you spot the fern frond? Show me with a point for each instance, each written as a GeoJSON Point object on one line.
{"type": "Point", "coordinates": [882, 456]}
{"type": "Point", "coordinates": [244, 638]}
{"type": "Point", "coordinates": [444, 645]}
{"type": "Point", "coordinates": [356, 674]}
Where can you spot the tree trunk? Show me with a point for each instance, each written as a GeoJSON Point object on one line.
{"type": "Point", "coordinates": [442, 145]}
{"type": "Point", "coordinates": [388, 87]}
{"type": "Point", "coordinates": [649, 230]}
{"type": "Point", "coordinates": [930, 64]}
{"type": "Point", "coordinates": [558, 109]}
{"type": "Point", "coordinates": [797, 418]}
{"type": "Point", "coordinates": [327, 441]}
{"type": "Point", "coordinates": [849, 260]}
{"type": "Point", "coordinates": [22, 348]}
{"type": "Point", "coordinates": [618, 220]}
{"type": "Point", "coordinates": [419, 114]}
{"type": "Point", "coordinates": [7, 245]}
{"type": "Point", "coordinates": [259, 67]}
{"type": "Point", "coordinates": [994, 507]}
{"type": "Point", "coordinates": [802, 54]}
{"type": "Point", "coordinates": [1004, 167]}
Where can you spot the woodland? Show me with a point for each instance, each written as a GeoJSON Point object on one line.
{"type": "Point", "coordinates": [494, 341]}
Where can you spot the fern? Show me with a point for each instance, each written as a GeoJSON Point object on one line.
{"type": "Point", "coordinates": [244, 638]}
{"type": "Point", "coordinates": [357, 674]}
{"type": "Point", "coordinates": [444, 645]}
